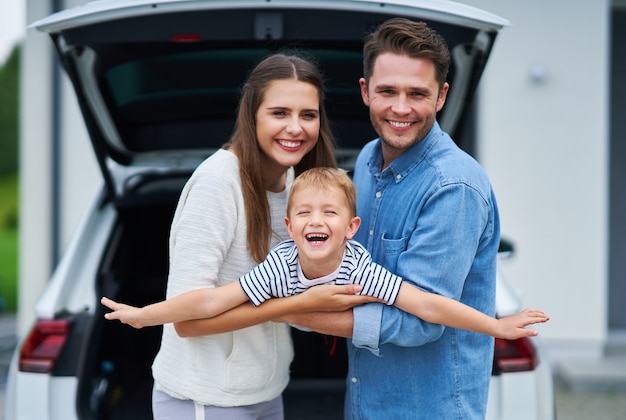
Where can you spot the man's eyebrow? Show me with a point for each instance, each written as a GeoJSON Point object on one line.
{"type": "Point", "coordinates": [423, 90]}
{"type": "Point", "coordinates": [417, 89]}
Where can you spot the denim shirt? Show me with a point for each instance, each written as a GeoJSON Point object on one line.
{"type": "Point", "coordinates": [432, 218]}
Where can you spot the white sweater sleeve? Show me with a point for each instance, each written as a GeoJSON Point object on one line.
{"type": "Point", "coordinates": [203, 228]}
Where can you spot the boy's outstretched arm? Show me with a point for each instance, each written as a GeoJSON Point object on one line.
{"type": "Point", "coordinates": [438, 309]}
{"type": "Point", "coordinates": [196, 304]}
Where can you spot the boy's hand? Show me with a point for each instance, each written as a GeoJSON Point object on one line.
{"type": "Point", "coordinates": [126, 314]}
{"type": "Point", "coordinates": [512, 327]}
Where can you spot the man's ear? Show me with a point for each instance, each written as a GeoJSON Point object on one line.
{"type": "Point", "coordinates": [353, 227]}
{"type": "Point", "coordinates": [364, 94]}
{"type": "Point", "coordinates": [443, 93]}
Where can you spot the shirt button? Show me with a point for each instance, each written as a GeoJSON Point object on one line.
{"type": "Point", "coordinates": [354, 380]}
{"type": "Point", "coordinates": [371, 232]}
{"type": "Point", "coordinates": [398, 176]}
{"type": "Point", "coordinates": [378, 194]}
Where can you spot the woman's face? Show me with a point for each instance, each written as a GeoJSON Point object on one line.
{"type": "Point", "coordinates": [287, 123]}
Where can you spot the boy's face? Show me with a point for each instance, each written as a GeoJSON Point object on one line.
{"type": "Point", "coordinates": [320, 222]}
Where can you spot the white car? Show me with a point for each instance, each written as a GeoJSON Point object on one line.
{"type": "Point", "coordinates": [157, 82]}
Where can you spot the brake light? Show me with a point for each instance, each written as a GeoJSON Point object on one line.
{"type": "Point", "coordinates": [514, 355]}
{"type": "Point", "coordinates": [184, 38]}
{"type": "Point", "coordinates": [43, 346]}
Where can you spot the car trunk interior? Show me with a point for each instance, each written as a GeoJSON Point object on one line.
{"type": "Point", "coordinates": [167, 82]}
{"type": "Point", "coordinates": [135, 272]}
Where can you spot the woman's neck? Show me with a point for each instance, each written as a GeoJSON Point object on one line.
{"type": "Point", "coordinates": [274, 175]}
{"type": "Point", "coordinates": [275, 182]}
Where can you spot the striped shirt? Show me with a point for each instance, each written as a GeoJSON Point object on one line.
{"type": "Point", "coordinates": [280, 275]}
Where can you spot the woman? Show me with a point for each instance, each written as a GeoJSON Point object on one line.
{"type": "Point", "coordinates": [281, 130]}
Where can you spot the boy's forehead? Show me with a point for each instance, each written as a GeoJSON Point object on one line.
{"type": "Point", "coordinates": [310, 190]}
{"type": "Point", "coordinates": [316, 196]}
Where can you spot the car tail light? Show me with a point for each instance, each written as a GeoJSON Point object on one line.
{"type": "Point", "coordinates": [185, 38]}
{"type": "Point", "coordinates": [43, 346]}
{"type": "Point", "coordinates": [514, 355]}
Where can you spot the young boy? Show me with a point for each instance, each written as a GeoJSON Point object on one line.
{"type": "Point", "coordinates": [321, 221]}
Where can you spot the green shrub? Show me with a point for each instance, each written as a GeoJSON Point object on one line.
{"type": "Point", "coordinates": [8, 270]}
{"type": "Point", "coordinates": [8, 242]}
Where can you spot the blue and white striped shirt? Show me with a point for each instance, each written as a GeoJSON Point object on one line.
{"type": "Point", "coordinates": [280, 275]}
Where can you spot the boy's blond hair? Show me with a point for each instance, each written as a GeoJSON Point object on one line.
{"type": "Point", "coordinates": [323, 178]}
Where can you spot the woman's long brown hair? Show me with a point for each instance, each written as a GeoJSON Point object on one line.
{"type": "Point", "coordinates": [244, 144]}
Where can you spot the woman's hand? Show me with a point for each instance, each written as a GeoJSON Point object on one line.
{"type": "Point", "coordinates": [332, 298]}
{"type": "Point", "coordinates": [327, 309]}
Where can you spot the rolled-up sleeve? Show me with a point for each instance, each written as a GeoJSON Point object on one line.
{"type": "Point", "coordinates": [366, 329]}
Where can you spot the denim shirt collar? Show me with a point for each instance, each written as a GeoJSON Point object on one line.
{"type": "Point", "coordinates": [408, 160]}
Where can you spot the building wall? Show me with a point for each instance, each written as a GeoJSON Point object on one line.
{"type": "Point", "coordinates": [617, 241]}
{"type": "Point", "coordinates": [542, 137]}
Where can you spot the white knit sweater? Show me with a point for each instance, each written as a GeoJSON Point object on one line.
{"type": "Point", "coordinates": [208, 248]}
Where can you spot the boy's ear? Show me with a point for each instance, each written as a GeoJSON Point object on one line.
{"type": "Point", "coordinates": [353, 227]}
{"type": "Point", "coordinates": [288, 224]}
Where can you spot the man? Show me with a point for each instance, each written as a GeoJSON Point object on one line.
{"type": "Point", "coordinates": [429, 215]}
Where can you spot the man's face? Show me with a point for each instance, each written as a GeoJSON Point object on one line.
{"type": "Point", "coordinates": [403, 97]}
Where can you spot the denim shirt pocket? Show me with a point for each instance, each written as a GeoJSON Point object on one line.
{"type": "Point", "coordinates": [391, 250]}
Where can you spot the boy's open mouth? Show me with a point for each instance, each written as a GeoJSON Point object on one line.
{"type": "Point", "coordinates": [316, 237]}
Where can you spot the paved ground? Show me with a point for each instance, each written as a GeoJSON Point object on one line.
{"type": "Point", "coordinates": [578, 404]}
{"type": "Point", "coordinates": [7, 346]}
{"type": "Point", "coordinates": [593, 389]}
{"type": "Point", "coordinates": [589, 405]}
